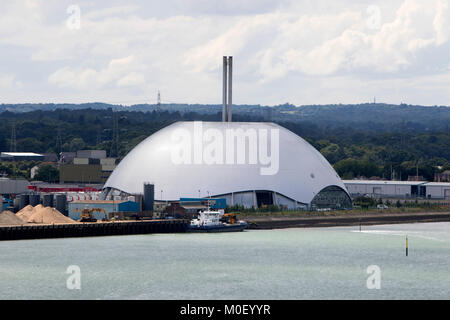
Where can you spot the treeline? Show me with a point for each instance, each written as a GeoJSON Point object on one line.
{"type": "Point", "coordinates": [370, 149]}
{"type": "Point", "coordinates": [374, 117]}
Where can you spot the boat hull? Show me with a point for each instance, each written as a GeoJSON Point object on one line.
{"type": "Point", "coordinates": [218, 228]}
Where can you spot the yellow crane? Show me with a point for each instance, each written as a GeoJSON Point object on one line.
{"type": "Point", "coordinates": [87, 214]}
{"type": "Point", "coordinates": [229, 218]}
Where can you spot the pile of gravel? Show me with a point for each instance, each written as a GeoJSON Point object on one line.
{"type": "Point", "coordinates": [9, 218]}
{"type": "Point", "coordinates": [26, 212]}
{"type": "Point", "coordinates": [42, 215]}
{"type": "Point", "coordinates": [48, 215]}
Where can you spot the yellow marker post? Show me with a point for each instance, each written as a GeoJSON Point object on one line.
{"type": "Point", "coordinates": [406, 245]}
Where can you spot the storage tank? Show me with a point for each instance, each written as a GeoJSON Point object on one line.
{"type": "Point", "coordinates": [16, 204]}
{"type": "Point", "coordinates": [47, 200]}
{"type": "Point", "coordinates": [61, 201]}
{"type": "Point", "coordinates": [149, 197]}
{"type": "Point", "coordinates": [139, 199]}
{"type": "Point", "coordinates": [24, 200]}
{"type": "Point", "coordinates": [35, 199]}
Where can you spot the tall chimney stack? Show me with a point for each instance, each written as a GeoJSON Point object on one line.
{"type": "Point", "coordinates": [227, 93]}
{"type": "Point", "coordinates": [230, 86]}
{"type": "Point", "coordinates": [224, 92]}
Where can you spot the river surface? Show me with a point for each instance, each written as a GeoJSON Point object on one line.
{"type": "Point", "coordinates": [317, 263]}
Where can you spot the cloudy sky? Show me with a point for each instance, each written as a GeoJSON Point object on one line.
{"type": "Point", "coordinates": [301, 52]}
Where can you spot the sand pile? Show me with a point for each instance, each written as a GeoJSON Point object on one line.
{"type": "Point", "coordinates": [27, 212]}
{"type": "Point", "coordinates": [9, 218]}
{"type": "Point", "coordinates": [48, 215]}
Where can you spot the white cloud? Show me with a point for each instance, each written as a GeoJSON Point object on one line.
{"type": "Point", "coordinates": [390, 49]}
{"type": "Point", "coordinates": [118, 72]}
{"type": "Point", "coordinates": [441, 22]}
{"type": "Point", "coordinates": [142, 47]}
{"type": "Point", "coordinates": [9, 81]}
{"type": "Point", "coordinates": [133, 79]}
{"type": "Point", "coordinates": [325, 44]}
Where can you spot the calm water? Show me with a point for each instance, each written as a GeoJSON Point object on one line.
{"type": "Point", "coordinates": [328, 263]}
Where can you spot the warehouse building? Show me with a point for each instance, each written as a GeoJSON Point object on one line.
{"type": "Point", "coordinates": [50, 157]}
{"type": "Point", "coordinates": [256, 164]}
{"type": "Point", "coordinates": [80, 173]}
{"type": "Point", "coordinates": [39, 186]}
{"type": "Point", "coordinates": [92, 154]}
{"type": "Point", "coordinates": [89, 166]}
{"type": "Point", "coordinates": [437, 190]}
{"type": "Point", "coordinates": [107, 209]}
{"type": "Point", "coordinates": [21, 156]}
{"type": "Point", "coordinates": [398, 189]}
{"type": "Point", "coordinates": [67, 157]}
{"type": "Point", "coordinates": [13, 186]}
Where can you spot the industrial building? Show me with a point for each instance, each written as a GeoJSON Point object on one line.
{"type": "Point", "coordinates": [39, 186]}
{"type": "Point", "coordinates": [107, 209]}
{"type": "Point", "coordinates": [20, 156]}
{"type": "Point", "coordinates": [92, 154]}
{"type": "Point", "coordinates": [437, 190]}
{"type": "Point", "coordinates": [247, 163]}
{"type": "Point", "coordinates": [187, 207]}
{"type": "Point", "coordinates": [67, 157]}
{"type": "Point", "coordinates": [89, 166]}
{"type": "Point", "coordinates": [58, 201]}
{"type": "Point", "coordinates": [398, 189]}
{"type": "Point", "coordinates": [442, 177]}
{"type": "Point", "coordinates": [303, 178]}
{"type": "Point", "coordinates": [13, 186]}
{"type": "Point", "coordinates": [50, 157]}
{"type": "Point", "coordinates": [215, 204]}
{"type": "Point", "coordinates": [80, 173]}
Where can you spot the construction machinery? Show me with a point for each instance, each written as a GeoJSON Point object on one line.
{"type": "Point", "coordinates": [87, 214]}
{"type": "Point", "coordinates": [229, 218]}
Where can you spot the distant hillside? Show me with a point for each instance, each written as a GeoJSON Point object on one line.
{"type": "Point", "coordinates": [365, 116]}
{"type": "Point", "coordinates": [359, 140]}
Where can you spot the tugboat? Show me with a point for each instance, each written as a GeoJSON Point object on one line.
{"type": "Point", "coordinates": [216, 221]}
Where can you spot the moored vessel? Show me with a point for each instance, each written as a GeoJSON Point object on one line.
{"type": "Point", "coordinates": [216, 221]}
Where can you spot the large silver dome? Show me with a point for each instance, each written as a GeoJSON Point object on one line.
{"type": "Point", "coordinates": [235, 160]}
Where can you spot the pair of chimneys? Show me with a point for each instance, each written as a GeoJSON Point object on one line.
{"type": "Point", "coordinates": [227, 92]}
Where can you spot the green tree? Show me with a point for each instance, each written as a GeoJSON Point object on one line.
{"type": "Point", "coordinates": [3, 144]}
{"type": "Point", "coordinates": [76, 144]}
{"type": "Point", "coordinates": [47, 173]}
{"type": "Point", "coordinates": [364, 202]}
{"type": "Point", "coordinates": [332, 152]}
{"type": "Point", "coordinates": [348, 168]}
{"type": "Point", "coordinates": [29, 145]}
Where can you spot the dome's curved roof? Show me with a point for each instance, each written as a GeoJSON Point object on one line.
{"type": "Point", "coordinates": [163, 159]}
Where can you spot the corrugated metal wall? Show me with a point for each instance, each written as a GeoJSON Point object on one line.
{"type": "Point", "coordinates": [75, 208]}
{"type": "Point", "coordinates": [8, 186]}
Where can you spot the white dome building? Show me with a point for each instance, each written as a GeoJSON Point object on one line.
{"type": "Point", "coordinates": [248, 163]}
